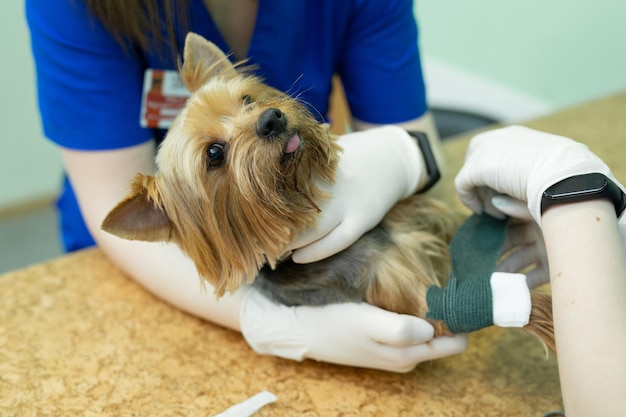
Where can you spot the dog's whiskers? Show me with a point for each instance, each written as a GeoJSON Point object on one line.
{"type": "Point", "coordinates": [289, 90]}
{"type": "Point", "coordinates": [305, 195]}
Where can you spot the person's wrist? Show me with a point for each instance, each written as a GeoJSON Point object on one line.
{"type": "Point", "coordinates": [584, 187]}
{"type": "Point", "coordinates": [429, 172]}
{"type": "Point", "coordinates": [270, 328]}
{"type": "Point", "coordinates": [569, 160]}
{"type": "Point", "coordinates": [409, 154]}
{"type": "Point", "coordinates": [565, 215]}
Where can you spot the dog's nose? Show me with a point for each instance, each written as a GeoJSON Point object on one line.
{"type": "Point", "coordinates": [271, 123]}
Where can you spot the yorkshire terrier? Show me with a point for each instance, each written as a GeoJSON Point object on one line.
{"type": "Point", "coordinates": [236, 183]}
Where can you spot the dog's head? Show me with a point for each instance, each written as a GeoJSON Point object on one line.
{"type": "Point", "coordinates": [235, 173]}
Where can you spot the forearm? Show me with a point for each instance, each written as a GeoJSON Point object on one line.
{"type": "Point", "coordinates": [101, 179]}
{"type": "Point", "coordinates": [166, 272]}
{"type": "Point", "coordinates": [588, 274]}
{"type": "Point", "coordinates": [622, 228]}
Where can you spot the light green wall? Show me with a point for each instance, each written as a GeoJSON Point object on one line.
{"type": "Point", "coordinates": [30, 167]}
{"type": "Point", "coordinates": [563, 52]}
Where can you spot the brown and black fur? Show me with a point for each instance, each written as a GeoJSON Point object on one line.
{"type": "Point", "coordinates": [235, 219]}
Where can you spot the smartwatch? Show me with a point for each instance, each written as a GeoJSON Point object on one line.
{"type": "Point", "coordinates": [432, 169]}
{"type": "Point", "coordinates": [584, 187]}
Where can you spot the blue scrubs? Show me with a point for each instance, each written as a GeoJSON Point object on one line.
{"type": "Point", "coordinates": [89, 87]}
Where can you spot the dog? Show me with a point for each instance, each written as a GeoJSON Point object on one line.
{"type": "Point", "coordinates": [236, 182]}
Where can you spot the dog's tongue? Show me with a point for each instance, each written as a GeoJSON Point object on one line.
{"type": "Point", "coordinates": [293, 144]}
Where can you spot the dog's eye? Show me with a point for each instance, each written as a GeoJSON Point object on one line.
{"type": "Point", "coordinates": [216, 155]}
{"type": "Point", "coordinates": [246, 100]}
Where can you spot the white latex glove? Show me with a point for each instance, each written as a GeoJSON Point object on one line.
{"type": "Point", "coordinates": [523, 249]}
{"type": "Point", "coordinates": [347, 334]}
{"type": "Point", "coordinates": [377, 168]}
{"type": "Point", "coordinates": [521, 163]}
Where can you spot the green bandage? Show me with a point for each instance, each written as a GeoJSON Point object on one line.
{"type": "Point", "coordinates": [466, 303]}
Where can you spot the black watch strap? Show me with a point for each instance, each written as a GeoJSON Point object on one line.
{"type": "Point", "coordinates": [432, 169]}
{"type": "Point", "coordinates": [584, 187]}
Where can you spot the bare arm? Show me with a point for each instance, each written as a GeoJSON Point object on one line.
{"type": "Point", "coordinates": [100, 180]}
{"type": "Point", "coordinates": [586, 256]}
{"type": "Point", "coordinates": [587, 261]}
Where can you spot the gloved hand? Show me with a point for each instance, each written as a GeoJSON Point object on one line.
{"type": "Point", "coordinates": [348, 334]}
{"type": "Point", "coordinates": [521, 163]}
{"type": "Point", "coordinates": [523, 250]}
{"type": "Point", "coordinates": [377, 168]}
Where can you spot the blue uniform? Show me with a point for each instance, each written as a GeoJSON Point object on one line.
{"type": "Point", "coordinates": [89, 87]}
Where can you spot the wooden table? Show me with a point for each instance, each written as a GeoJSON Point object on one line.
{"type": "Point", "coordinates": [78, 338]}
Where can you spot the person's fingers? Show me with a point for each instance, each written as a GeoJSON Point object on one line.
{"type": "Point", "coordinates": [537, 276]}
{"type": "Point", "coordinates": [519, 260]}
{"type": "Point", "coordinates": [405, 359]}
{"type": "Point", "coordinates": [511, 207]}
{"type": "Point", "coordinates": [441, 347]}
{"type": "Point", "coordinates": [523, 252]}
{"type": "Point", "coordinates": [398, 330]}
{"type": "Point", "coordinates": [467, 189]}
{"type": "Point", "coordinates": [340, 238]}
{"type": "Point", "coordinates": [312, 234]}
{"type": "Point", "coordinates": [520, 233]}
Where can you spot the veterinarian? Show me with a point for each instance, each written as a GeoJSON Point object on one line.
{"type": "Point", "coordinates": [104, 66]}
{"type": "Point", "coordinates": [560, 185]}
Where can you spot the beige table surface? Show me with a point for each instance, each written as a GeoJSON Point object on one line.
{"type": "Point", "coordinates": [78, 338]}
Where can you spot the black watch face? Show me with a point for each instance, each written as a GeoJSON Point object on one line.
{"type": "Point", "coordinates": [582, 184]}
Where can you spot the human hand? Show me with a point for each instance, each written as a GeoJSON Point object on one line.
{"type": "Point", "coordinates": [347, 334]}
{"type": "Point", "coordinates": [522, 163]}
{"type": "Point", "coordinates": [523, 250]}
{"type": "Point", "coordinates": [377, 168]}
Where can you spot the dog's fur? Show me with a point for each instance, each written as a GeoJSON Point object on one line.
{"type": "Point", "coordinates": [236, 183]}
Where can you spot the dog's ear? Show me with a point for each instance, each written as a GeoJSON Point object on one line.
{"type": "Point", "coordinates": [140, 215]}
{"type": "Point", "coordinates": [203, 60]}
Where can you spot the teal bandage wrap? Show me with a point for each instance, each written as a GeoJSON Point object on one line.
{"type": "Point", "coordinates": [466, 304]}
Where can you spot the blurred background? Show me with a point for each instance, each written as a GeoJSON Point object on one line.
{"type": "Point", "coordinates": [484, 60]}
